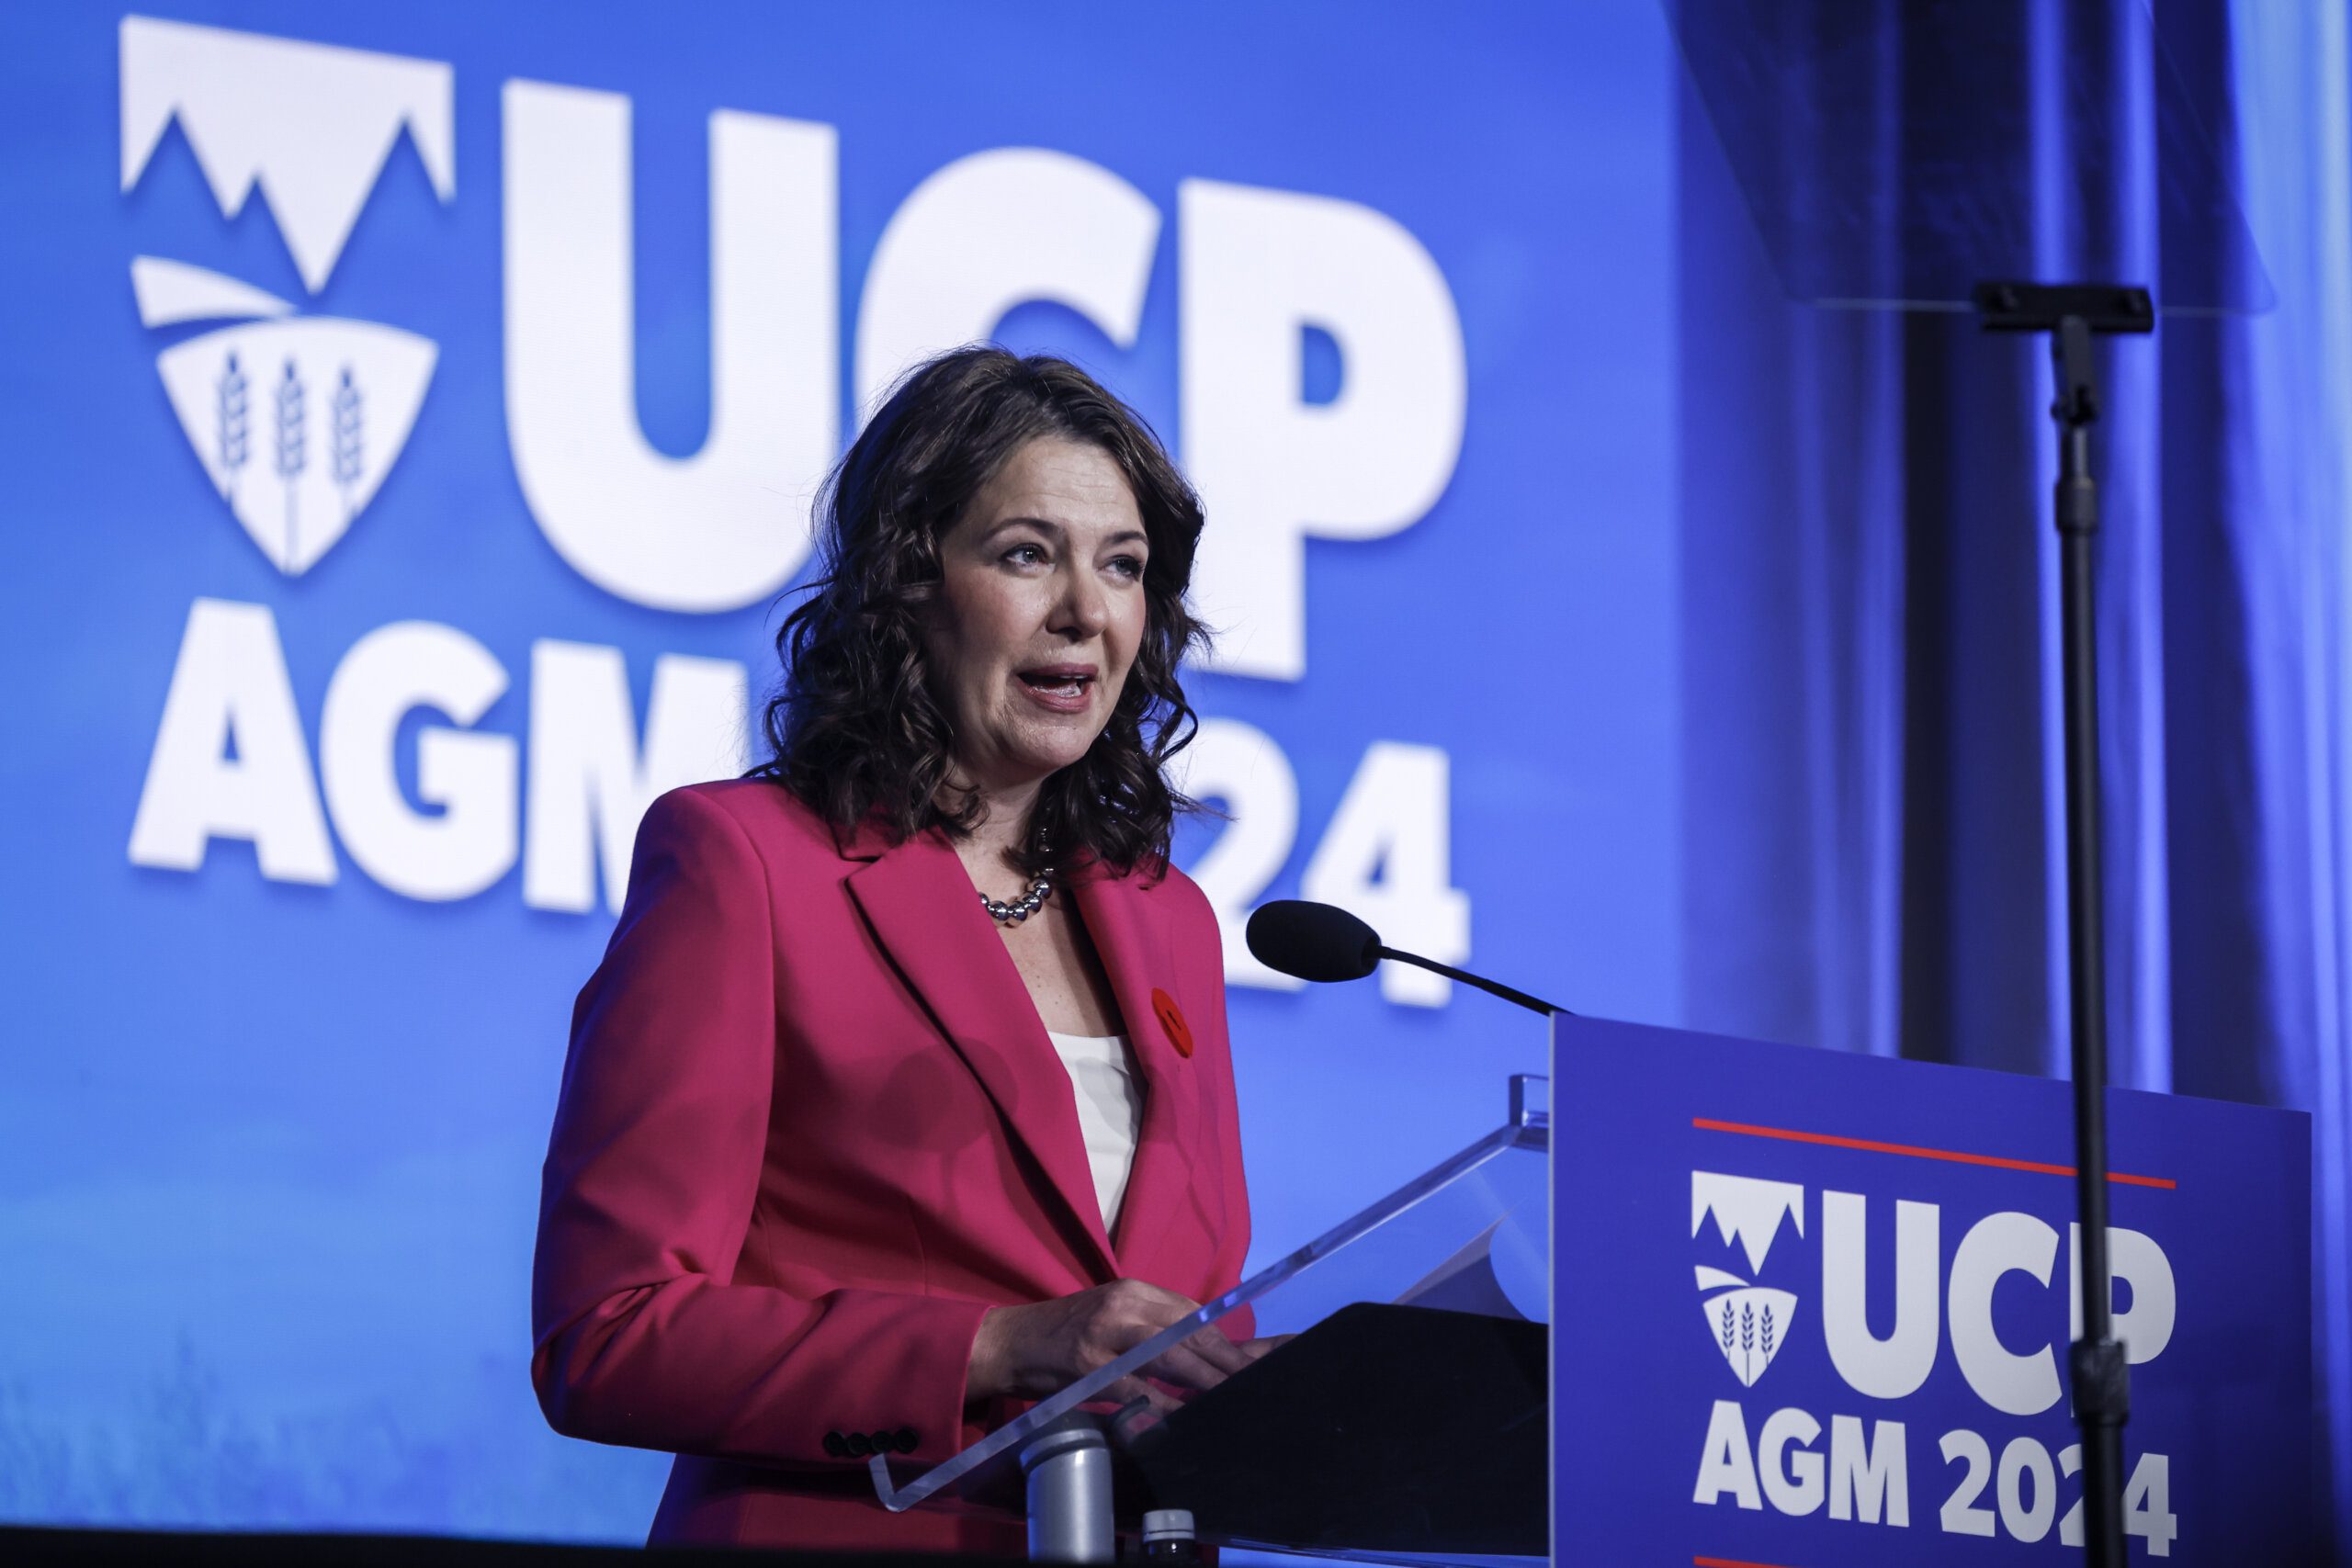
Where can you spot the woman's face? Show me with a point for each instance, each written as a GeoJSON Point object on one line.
{"type": "Point", "coordinates": [1041, 609]}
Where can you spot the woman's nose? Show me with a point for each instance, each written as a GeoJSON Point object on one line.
{"type": "Point", "coordinates": [1082, 611]}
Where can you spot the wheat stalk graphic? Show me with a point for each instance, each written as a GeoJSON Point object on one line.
{"type": "Point", "coordinates": [229, 421]}
{"type": "Point", "coordinates": [291, 456]}
{"type": "Point", "coordinates": [1727, 1335]}
{"type": "Point", "coordinates": [1747, 1338]}
{"type": "Point", "coordinates": [347, 447]}
{"type": "Point", "coordinates": [1766, 1335]}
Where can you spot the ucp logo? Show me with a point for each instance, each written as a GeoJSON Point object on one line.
{"type": "Point", "coordinates": [1750, 1322]}
{"type": "Point", "coordinates": [1858, 1468]}
{"type": "Point", "coordinates": [297, 418]}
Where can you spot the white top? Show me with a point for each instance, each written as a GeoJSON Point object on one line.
{"type": "Point", "coordinates": [1102, 1074]}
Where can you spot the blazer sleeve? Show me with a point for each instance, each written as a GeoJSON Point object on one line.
{"type": "Point", "coordinates": [641, 1335]}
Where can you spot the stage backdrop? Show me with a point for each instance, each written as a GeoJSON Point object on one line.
{"type": "Point", "coordinates": [411, 420]}
{"type": "Point", "coordinates": [410, 423]}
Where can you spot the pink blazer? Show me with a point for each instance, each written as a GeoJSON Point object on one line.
{"type": "Point", "coordinates": [811, 1129]}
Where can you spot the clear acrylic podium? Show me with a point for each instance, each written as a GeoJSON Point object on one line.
{"type": "Point", "coordinates": [1409, 1422]}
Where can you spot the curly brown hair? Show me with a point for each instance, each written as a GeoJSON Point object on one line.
{"type": "Point", "coordinates": [855, 729]}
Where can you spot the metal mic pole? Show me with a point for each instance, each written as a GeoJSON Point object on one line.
{"type": "Point", "coordinates": [2101, 1375]}
{"type": "Point", "coordinates": [2101, 1378]}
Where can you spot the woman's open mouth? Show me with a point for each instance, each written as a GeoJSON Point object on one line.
{"type": "Point", "coordinates": [1065, 688]}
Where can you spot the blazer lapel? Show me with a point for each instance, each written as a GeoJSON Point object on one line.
{"type": "Point", "coordinates": [920, 904]}
{"type": "Point", "coordinates": [1132, 942]}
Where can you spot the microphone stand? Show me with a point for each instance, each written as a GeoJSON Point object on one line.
{"type": "Point", "coordinates": [2072, 314]}
{"type": "Point", "coordinates": [1495, 987]}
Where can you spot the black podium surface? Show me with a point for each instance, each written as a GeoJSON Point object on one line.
{"type": "Point", "coordinates": [1382, 1428]}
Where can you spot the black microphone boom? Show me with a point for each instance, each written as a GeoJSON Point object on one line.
{"type": "Point", "coordinates": [1321, 942]}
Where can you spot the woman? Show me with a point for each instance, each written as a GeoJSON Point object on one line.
{"type": "Point", "coordinates": [902, 1092]}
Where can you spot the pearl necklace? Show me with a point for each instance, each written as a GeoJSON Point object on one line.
{"type": "Point", "coordinates": [1020, 909]}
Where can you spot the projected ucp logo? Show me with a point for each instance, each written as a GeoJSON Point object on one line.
{"type": "Point", "coordinates": [296, 418]}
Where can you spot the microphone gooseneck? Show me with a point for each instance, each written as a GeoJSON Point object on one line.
{"type": "Point", "coordinates": [1321, 942]}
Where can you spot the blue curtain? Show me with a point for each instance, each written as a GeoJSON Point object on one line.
{"type": "Point", "coordinates": [1871, 784]}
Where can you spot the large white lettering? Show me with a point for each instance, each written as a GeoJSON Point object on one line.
{"type": "Point", "coordinates": [1725, 1467]}
{"type": "Point", "coordinates": [1793, 1481]}
{"type": "Point", "coordinates": [1257, 267]}
{"type": "Point", "coordinates": [995, 229]}
{"type": "Point", "coordinates": [590, 782]}
{"type": "Point", "coordinates": [1865, 1479]}
{"type": "Point", "coordinates": [1386, 858]}
{"type": "Point", "coordinates": [2145, 1328]}
{"type": "Point", "coordinates": [229, 761]}
{"type": "Point", "coordinates": [2000, 1243]}
{"type": "Point", "coordinates": [1387, 853]}
{"type": "Point", "coordinates": [728, 526]}
{"type": "Point", "coordinates": [1869, 1479]}
{"type": "Point", "coordinates": [469, 844]}
{"type": "Point", "coordinates": [1240, 766]}
{"type": "Point", "coordinates": [1894, 1366]}
{"type": "Point", "coordinates": [2014, 1382]}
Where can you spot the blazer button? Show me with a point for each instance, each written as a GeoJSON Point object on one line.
{"type": "Point", "coordinates": [907, 1443]}
{"type": "Point", "coordinates": [836, 1446]}
{"type": "Point", "coordinates": [859, 1446]}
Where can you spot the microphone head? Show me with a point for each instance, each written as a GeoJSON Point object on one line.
{"type": "Point", "coordinates": [1313, 942]}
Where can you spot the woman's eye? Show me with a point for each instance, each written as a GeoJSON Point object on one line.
{"type": "Point", "coordinates": [1128, 567]}
{"type": "Point", "coordinates": [1026, 555]}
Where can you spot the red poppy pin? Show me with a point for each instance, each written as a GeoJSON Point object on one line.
{"type": "Point", "coordinates": [1171, 1019]}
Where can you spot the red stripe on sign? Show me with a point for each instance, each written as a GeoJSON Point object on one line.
{"type": "Point", "coordinates": [1728, 1562]}
{"type": "Point", "coordinates": [1869, 1146]}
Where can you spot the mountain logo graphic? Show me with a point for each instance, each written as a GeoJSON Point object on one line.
{"type": "Point", "coordinates": [1749, 1324]}
{"type": "Point", "coordinates": [297, 419]}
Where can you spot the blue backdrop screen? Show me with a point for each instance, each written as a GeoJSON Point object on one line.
{"type": "Point", "coordinates": [414, 416]}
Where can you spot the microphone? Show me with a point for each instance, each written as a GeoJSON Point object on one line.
{"type": "Point", "coordinates": [1321, 942]}
{"type": "Point", "coordinates": [1313, 942]}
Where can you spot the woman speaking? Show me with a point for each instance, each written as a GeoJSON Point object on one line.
{"type": "Point", "coordinates": [902, 1093]}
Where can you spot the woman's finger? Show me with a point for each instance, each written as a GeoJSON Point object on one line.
{"type": "Point", "coordinates": [1128, 1323]}
{"type": "Point", "coordinates": [1211, 1345]}
{"type": "Point", "coordinates": [1186, 1368]}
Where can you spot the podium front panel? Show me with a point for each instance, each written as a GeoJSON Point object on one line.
{"type": "Point", "coordinates": [1814, 1308]}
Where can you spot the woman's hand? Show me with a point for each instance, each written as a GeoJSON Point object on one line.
{"type": "Point", "coordinates": [1031, 1351]}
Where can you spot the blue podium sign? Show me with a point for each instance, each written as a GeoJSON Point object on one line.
{"type": "Point", "coordinates": [1812, 1309]}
